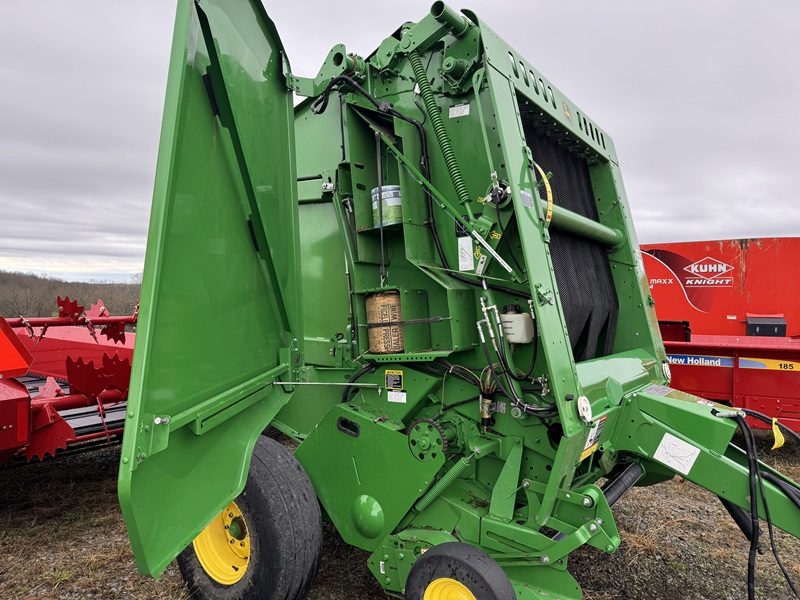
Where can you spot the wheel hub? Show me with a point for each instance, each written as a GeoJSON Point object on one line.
{"type": "Point", "coordinates": [445, 588]}
{"type": "Point", "coordinates": [223, 547]}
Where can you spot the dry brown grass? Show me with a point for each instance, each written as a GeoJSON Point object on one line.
{"type": "Point", "coordinates": [61, 534]}
{"type": "Point", "coordinates": [62, 538]}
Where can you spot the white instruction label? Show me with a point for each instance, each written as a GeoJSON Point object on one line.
{"type": "Point", "coordinates": [459, 110]}
{"type": "Point", "coordinates": [481, 265]}
{"type": "Point", "coordinates": [465, 260]}
{"type": "Point", "coordinates": [595, 433]}
{"type": "Point", "coordinates": [395, 396]}
{"type": "Point", "coordinates": [676, 454]}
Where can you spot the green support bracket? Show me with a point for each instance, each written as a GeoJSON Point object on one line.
{"type": "Point", "coordinates": [391, 562]}
{"type": "Point", "coordinates": [563, 470]}
{"type": "Point", "coordinates": [505, 490]}
{"type": "Point", "coordinates": [338, 62]}
{"type": "Point", "coordinates": [421, 36]}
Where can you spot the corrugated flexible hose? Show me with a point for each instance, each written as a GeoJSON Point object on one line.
{"type": "Point", "coordinates": [438, 127]}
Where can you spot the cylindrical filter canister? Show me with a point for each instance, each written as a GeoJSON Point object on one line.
{"type": "Point", "coordinates": [392, 205]}
{"type": "Point", "coordinates": [384, 307]}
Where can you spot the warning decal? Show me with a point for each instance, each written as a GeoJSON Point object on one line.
{"type": "Point", "coordinates": [676, 454]}
{"type": "Point", "coordinates": [593, 440]}
{"type": "Point", "coordinates": [394, 379]}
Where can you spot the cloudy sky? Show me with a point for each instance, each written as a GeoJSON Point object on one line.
{"type": "Point", "coordinates": [702, 100]}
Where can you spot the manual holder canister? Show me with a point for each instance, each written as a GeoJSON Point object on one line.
{"type": "Point", "coordinates": [392, 205]}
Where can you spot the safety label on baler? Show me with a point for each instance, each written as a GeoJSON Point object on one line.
{"type": "Point", "coordinates": [394, 379]}
{"type": "Point", "coordinates": [676, 454]}
{"type": "Point", "coordinates": [592, 441]}
{"type": "Point", "coordinates": [396, 396]}
{"type": "Point", "coordinates": [465, 260]}
{"type": "Point", "coordinates": [459, 110]}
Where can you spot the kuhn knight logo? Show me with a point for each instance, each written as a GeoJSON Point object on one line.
{"type": "Point", "coordinates": [709, 272]}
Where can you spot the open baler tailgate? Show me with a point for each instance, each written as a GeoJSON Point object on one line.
{"type": "Point", "coordinates": [220, 285]}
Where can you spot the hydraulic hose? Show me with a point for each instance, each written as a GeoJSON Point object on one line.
{"type": "Point", "coordinates": [740, 516]}
{"type": "Point", "coordinates": [438, 127]}
{"type": "Point", "coordinates": [370, 366]}
{"type": "Point", "coordinates": [791, 492]}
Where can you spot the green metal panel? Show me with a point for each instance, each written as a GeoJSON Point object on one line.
{"type": "Point", "coordinates": [220, 289]}
{"type": "Point", "coordinates": [364, 474]}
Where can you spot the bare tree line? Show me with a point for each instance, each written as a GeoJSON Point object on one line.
{"type": "Point", "coordinates": [29, 295]}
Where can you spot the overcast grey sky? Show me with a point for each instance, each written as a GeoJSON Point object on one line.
{"type": "Point", "coordinates": [702, 100]}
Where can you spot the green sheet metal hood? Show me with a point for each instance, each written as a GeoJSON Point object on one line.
{"type": "Point", "coordinates": [220, 310]}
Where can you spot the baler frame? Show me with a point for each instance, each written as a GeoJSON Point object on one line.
{"type": "Point", "coordinates": [516, 482]}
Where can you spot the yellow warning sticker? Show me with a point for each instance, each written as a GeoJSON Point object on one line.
{"type": "Point", "coordinates": [593, 440]}
{"type": "Point", "coordinates": [394, 379]}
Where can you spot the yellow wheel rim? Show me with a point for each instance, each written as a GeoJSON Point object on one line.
{"type": "Point", "coordinates": [223, 547]}
{"type": "Point", "coordinates": [447, 589]}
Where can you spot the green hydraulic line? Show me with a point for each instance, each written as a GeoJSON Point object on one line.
{"type": "Point", "coordinates": [443, 483]}
{"type": "Point", "coordinates": [438, 128]}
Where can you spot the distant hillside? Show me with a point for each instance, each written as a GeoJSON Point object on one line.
{"type": "Point", "coordinates": [30, 295]}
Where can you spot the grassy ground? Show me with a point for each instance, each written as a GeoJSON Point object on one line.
{"type": "Point", "coordinates": [62, 537]}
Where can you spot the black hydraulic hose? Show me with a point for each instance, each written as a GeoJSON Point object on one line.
{"type": "Point", "coordinates": [370, 366]}
{"type": "Point", "coordinates": [752, 469]}
{"type": "Point", "coordinates": [459, 403]}
{"type": "Point", "coordinates": [438, 127]}
{"type": "Point", "coordinates": [767, 419]}
{"type": "Point", "coordinates": [535, 352]}
{"type": "Point", "coordinates": [379, 167]}
{"type": "Point", "coordinates": [791, 492]}
{"type": "Point", "coordinates": [756, 480]}
{"type": "Point", "coordinates": [740, 517]}
{"type": "Point", "coordinates": [768, 517]}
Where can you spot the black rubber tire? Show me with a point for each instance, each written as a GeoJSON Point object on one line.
{"type": "Point", "coordinates": [466, 564]}
{"type": "Point", "coordinates": [283, 520]}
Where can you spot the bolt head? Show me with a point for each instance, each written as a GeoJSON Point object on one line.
{"type": "Point", "coordinates": [587, 502]}
{"type": "Point", "coordinates": [592, 527]}
{"type": "Point", "coordinates": [545, 560]}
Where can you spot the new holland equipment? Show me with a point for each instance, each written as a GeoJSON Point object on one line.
{"type": "Point", "coordinates": [729, 312]}
{"type": "Point", "coordinates": [426, 275]}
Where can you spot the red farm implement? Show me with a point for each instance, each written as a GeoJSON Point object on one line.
{"type": "Point", "coordinates": [729, 312]}
{"type": "Point", "coordinates": [63, 380]}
